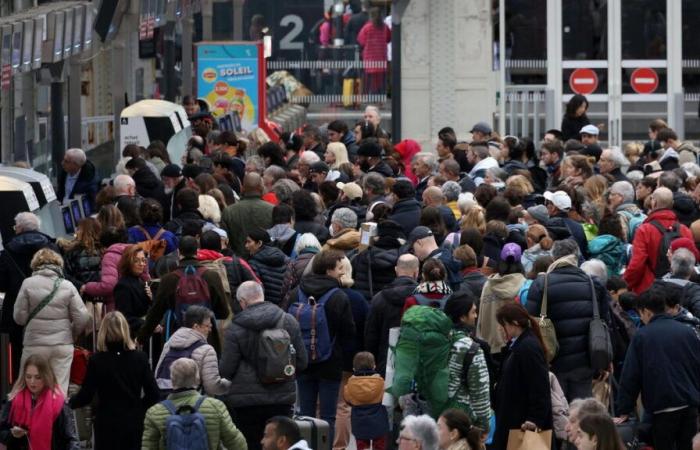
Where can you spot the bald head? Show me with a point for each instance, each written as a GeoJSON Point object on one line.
{"type": "Point", "coordinates": [662, 198]}
{"type": "Point", "coordinates": [252, 183]}
{"type": "Point", "coordinates": [407, 266]}
{"type": "Point", "coordinates": [433, 196]}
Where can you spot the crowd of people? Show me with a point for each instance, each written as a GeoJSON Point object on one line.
{"type": "Point", "coordinates": [481, 295]}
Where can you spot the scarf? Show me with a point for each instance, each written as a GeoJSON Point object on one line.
{"type": "Point", "coordinates": [433, 287]}
{"type": "Point", "coordinates": [461, 444]}
{"type": "Point", "coordinates": [39, 419]}
{"type": "Point", "coordinates": [564, 261]}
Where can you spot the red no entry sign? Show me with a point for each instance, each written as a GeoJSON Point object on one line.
{"type": "Point", "coordinates": [583, 81]}
{"type": "Point", "coordinates": [644, 80]}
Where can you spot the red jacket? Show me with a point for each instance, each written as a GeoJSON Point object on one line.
{"type": "Point", "coordinates": [639, 274]}
{"type": "Point", "coordinates": [373, 41]}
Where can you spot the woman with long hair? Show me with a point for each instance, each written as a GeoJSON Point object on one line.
{"type": "Point", "coordinates": [36, 416]}
{"type": "Point", "coordinates": [111, 216]}
{"type": "Point", "coordinates": [598, 432]}
{"type": "Point", "coordinates": [121, 378]}
{"type": "Point", "coordinates": [336, 155]}
{"type": "Point", "coordinates": [523, 398]}
{"type": "Point", "coordinates": [82, 255]}
{"type": "Point", "coordinates": [132, 295]}
{"type": "Point", "coordinates": [456, 432]}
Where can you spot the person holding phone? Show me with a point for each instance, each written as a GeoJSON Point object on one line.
{"type": "Point", "coordinates": [36, 416]}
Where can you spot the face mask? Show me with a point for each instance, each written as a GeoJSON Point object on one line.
{"type": "Point", "coordinates": [168, 190]}
{"type": "Point", "coordinates": [331, 230]}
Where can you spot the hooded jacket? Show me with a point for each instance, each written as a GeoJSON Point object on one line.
{"type": "Point", "coordinates": [237, 359]}
{"type": "Point", "coordinates": [408, 149]}
{"type": "Point", "coordinates": [204, 356]}
{"type": "Point", "coordinates": [57, 322]}
{"type": "Point", "coordinates": [406, 213]}
{"type": "Point", "coordinates": [14, 268]}
{"type": "Point", "coordinates": [384, 314]}
{"type": "Point", "coordinates": [346, 241]}
{"type": "Point", "coordinates": [148, 185]}
{"type": "Point", "coordinates": [498, 291]}
{"type": "Point", "coordinates": [270, 264]}
{"type": "Point", "coordinates": [341, 325]}
{"type": "Point", "coordinates": [478, 172]}
{"type": "Point", "coordinates": [610, 250]}
{"type": "Point", "coordinates": [639, 274]}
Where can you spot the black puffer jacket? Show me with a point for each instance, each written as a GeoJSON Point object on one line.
{"type": "Point", "coordinates": [341, 325]}
{"type": "Point", "coordinates": [14, 268]}
{"type": "Point", "coordinates": [406, 213]}
{"type": "Point", "coordinates": [571, 309]}
{"type": "Point", "coordinates": [238, 357]}
{"type": "Point", "coordinates": [83, 265]}
{"type": "Point", "coordinates": [380, 263]}
{"type": "Point", "coordinates": [270, 263]}
{"type": "Point", "coordinates": [384, 314]}
{"type": "Point", "coordinates": [295, 270]}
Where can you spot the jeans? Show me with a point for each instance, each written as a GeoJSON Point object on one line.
{"type": "Point", "coordinates": [313, 389]}
{"type": "Point", "coordinates": [674, 430]}
{"type": "Point", "coordinates": [576, 384]}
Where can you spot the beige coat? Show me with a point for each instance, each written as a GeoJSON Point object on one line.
{"type": "Point", "coordinates": [58, 321]}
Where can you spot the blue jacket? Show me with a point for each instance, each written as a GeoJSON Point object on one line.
{"type": "Point", "coordinates": [136, 236]}
{"type": "Point", "coordinates": [406, 213]}
{"type": "Point", "coordinates": [663, 362]}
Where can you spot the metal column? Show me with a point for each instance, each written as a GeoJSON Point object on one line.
{"type": "Point", "coordinates": [674, 74]}
{"type": "Point", "coordinates": [187, 30]}
{"type": "Point", "coordinates": [554, 69]}
{"type": "Point", "coordinates": [74, 111]}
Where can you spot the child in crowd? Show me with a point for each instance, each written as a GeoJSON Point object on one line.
{"type": "Point", "coordinates": [364, 391]}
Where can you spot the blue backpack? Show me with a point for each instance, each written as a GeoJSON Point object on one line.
{"type": "Point", "coordinates": [313, 323]}
{"type": "Point", "coordinates": [634, 221]}
{"type": "Point", "coordinates": [185, 431]}
{"type": "Point", "coordinates": [163, 374]}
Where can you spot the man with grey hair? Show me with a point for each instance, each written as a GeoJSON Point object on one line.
{"type": "Point", "coordinates": [596, 268]}
{"type": "Point", "coordinates": [611, 162]}
{"type": "Point", "coordinates": [649, 260]}
{"type": "Point", "coordinates": [190, 341]}
{"type": "Point", "coordinates": [249, 400]}
{"type": "Point", "coordinates": [480, 156]}
{"type": "Point", "coordinates": [374, 116]}
{"type": "Point", "coordinates": [15, 262]}
{"type": "Point", "coordinates": [570, 298]}
{"type": "Point", "coordinates": [343, 230]}
{"type": "Point", "coordinates": [77, 176]}
{"type": "Point", "coordinates": [434, 197]}
{"type": "Point", "coordinates": [418, 432]}
{"type": "Point", "coordinates": [682, 268]}
{"type": "Point", "coordinates": [221, 431]}
{"type": "Point", "coordinates": [424, 165]}
{"type": "Point", "coordinates": [304, 167]}
{"type": "Point", "coordinates": [374, 186]}
{"type": "Point", "coordinates": [621, 198]}
{"type": "Point", "coordinates": [387, 306]}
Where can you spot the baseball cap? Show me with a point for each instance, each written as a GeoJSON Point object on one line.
{"type": "Point", "coordinates": [560, 199]}
{"type": "Point", "coordinates": [171, 170]}
{"type": "Point", "coordinates": [593, 150]}
{"type": "Point", "coordinates": [511, 250]}
{"type": "Point", "coordinates": [319, 167]}
{"type": "Point", "coordinates": [419, 233]}
{"type": "Point", "coordinates": [539, 213]}
{"type": "Point", "coordinates": [687, 244]}
{"type": "Point", "coordinates": [589, 129]}
{"type": "Point", "coordinates": [351, 190]}
{"type": "Point", "coordinates": [481, 127]}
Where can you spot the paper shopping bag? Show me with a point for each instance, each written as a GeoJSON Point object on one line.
{"type": "Point", "coordinates": [529, 440]}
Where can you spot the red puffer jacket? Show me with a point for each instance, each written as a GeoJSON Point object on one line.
{"type": "Point", "coordinates": [109, 275]}
{"type": "Point", "coordinates": [646, 245]}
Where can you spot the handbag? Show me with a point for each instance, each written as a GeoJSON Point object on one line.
{"type": "Point", "coordinates": [549, 334]}
{"type": "Point", "coordinates": [45, 301]}
{"type": "Point", "coordinates": [529, 440]}
{"type": "Point", "coordinates": [600, 348]}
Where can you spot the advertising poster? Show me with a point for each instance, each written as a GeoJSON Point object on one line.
{"type": "Point", "coordinates": [229, 78]}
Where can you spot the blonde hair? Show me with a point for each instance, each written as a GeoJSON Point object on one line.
{"type": "Point", "coordinates": [595, 187]}
{"type": "Point", "coordinates": [114, 329]}
{"type": "Point", "coordinates": [45, 372]}
{"type": "Point", "coordinates": [474, 218]}
{"type": "Point", "coordinates": [520, 181]}
{"type": "Point", "coordinates": [633, 150]}
{"type": "Point", "coordinates": [340, 152]}
{"type": "Point", "coordinates": [46, 256]}
{"type": "Point", "coordinates": [346, 280]}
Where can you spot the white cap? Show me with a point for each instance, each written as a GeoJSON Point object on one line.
{"type": "Point", "coordinates": [590, 129]}
{"type": "Point", "coordinates": [560, 199]}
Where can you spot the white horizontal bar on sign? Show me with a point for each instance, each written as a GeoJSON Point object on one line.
{"type": "Point", "coordinates": [337, 98]}
{"type": "Point", "coordinates": [326, 64]}
{"type": "Point", "coordinates": [635, 63]}
{"type": "Point", "coordinates": [585, 64]}
{"type": "Point", "coordinates": [644, 97]}
{"type": "Point", "coordinates": [590, 97]}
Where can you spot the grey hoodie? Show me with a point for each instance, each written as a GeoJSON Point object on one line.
{"type": "Point", "coordinates": [204, 356]}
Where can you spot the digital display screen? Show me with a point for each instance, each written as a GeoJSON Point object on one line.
{"type": "Point", "coordinates": [68, 220]}
{"type": "Point", "coordinates": [39, 27]}
{"type": "Point", "coordinates": [59, 21]}
{"type": "Point", "coordinates": [77, 214]}
{"type": "Point", "coordinates": [27, 47]}
{"type": "Point", "coordinates": [89, 23]}
{"type": "Point", "coordinates": [86, 206]}
{"type": "Point", "coordinates": [78, 28]}
{"type": "Point", "coordinates": [68, 38]}
{"type": "Point", "coordinates": [17, 46]}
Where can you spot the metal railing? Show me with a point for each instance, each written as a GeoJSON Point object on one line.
{"type": "Point", "coordinates": [529, 110]}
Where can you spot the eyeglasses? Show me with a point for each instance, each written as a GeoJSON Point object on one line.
{"type": "Point", "coordinates": [404, 438]}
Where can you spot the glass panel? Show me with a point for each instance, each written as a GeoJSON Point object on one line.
{"type": "Point", "coordinates": [644, 29]}
{"type": "Point", "coordinates": [526, 40]}
{"type": "Point", "coordinates": [585, 28]}
{"type": "Point", "coordinates": [636, 117]}
{"type": "Point", "coordinates": [691, 67]}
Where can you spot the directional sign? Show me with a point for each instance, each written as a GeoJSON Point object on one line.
{"type": "Point", "coordinates": [583, 81]}
{"type": "Point", "coordinates": [644, 80]}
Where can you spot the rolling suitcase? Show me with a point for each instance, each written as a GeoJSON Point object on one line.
{"type": "Point", "coordinates": [315, 432]}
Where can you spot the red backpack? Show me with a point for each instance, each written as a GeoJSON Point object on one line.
{"type": "Point", "coordinates": [191, 290]}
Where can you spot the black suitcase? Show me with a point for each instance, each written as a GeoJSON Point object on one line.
{"type": "Point", "coordinates": [316, 432]}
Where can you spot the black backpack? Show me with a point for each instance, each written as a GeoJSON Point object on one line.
{"type": "Point", "coordinates": [668, 235]}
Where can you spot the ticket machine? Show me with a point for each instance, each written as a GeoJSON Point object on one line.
{"type": "Point", "coordinates": [16, 196]}
{"type": "Point", "coordinates": [49, 209]}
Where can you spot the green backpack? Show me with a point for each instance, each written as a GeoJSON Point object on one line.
{"type": "Point", "coordinates": [422, 355]}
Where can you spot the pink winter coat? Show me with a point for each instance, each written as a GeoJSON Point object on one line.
{"type": "Point", "coordinates": [109, 275]}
